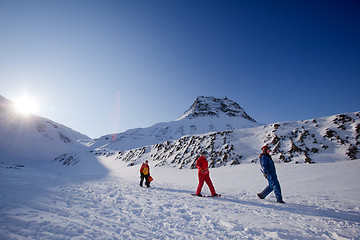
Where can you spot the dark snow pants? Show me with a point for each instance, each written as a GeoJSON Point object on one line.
{"type": "Point", "coordinates": [147, 182]}
{"type": "Point", "coordinates": [273, 185]}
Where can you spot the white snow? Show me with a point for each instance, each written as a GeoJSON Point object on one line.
{"type": "Point", "coordinates": [93, 201]}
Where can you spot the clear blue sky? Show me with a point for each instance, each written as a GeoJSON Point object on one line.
{"type": "Point", "coordinates": [103, 67]}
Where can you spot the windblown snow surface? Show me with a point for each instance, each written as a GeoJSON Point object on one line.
{"type": "Point", "coordinates": [102, 199]}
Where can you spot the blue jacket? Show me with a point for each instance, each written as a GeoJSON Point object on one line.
{"type": "Point", "coordinates": [267, 165]}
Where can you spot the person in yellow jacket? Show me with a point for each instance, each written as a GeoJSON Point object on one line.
{"type": "Point", "coordinates": [145, 173]}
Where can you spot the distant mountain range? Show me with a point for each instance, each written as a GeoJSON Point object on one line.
{"type": "Point", "coordinates": [327, 139]}
{"type": "Point", "coordinates": [207, 114]}
{"type": "Point", "coordinates": [218, 126]}
{"type": "Point", "coordinates": [230, 136]}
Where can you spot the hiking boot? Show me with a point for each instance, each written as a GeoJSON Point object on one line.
{"type": "Point", "coordinates": [281, 201]}
{"type": "Point", "coordinates": [260, 196]}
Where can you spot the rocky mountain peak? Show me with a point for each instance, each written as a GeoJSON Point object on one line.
{"type": "Point", "coordinates": [215, 107]}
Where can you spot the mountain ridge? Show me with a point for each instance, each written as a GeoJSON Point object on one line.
{"type": "Point", "coordinates": [178, 143]}
{"type": "Point", "coordinates": [30, 135]}
{"type": "Point", "coordinates": [207, 114]}
{"type": "Point", "coordinates": [332, 138]}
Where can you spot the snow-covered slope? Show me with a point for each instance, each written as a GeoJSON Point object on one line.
{"type": "Point", "coordinates": [207, 114]}
{"type": "Point", "coordinates": [25, 137]}
{"type": "Point", "coordinates": [316, 140]}
{"type": "Point", "coordinates": [322, 202]}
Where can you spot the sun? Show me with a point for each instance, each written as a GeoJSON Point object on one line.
{"type": "Point", "coordinates": [26, 105]}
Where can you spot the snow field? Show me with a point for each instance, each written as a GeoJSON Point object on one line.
{"type": "Point", "coordinates": [322, 202]}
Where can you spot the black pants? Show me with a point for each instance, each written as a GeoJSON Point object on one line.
{"type": "Point", "coordinates": [147, 182]}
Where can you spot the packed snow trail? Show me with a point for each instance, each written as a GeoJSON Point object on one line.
{"type": "Point", "coordinates": [59, 206]}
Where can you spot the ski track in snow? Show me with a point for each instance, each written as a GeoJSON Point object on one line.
{"type": "Point", "coordinates": [118, 208]}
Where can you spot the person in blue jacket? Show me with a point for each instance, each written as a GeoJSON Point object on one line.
{"type": "Point", "coordinates": [268, 169]}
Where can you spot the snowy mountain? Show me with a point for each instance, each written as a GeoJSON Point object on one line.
{"type": "Point", "coordinates": [215, 107]}
{"type": "Point", "coordinates": [219, 126]}
{"type": "Point", "coordinates": [207, 114]}
{"type": "Point", "coordinates": [25, 137]}
{"type": "Point", "coordinates": [94, 193]}
{"type": "Point", "coordinates": [316, 140]}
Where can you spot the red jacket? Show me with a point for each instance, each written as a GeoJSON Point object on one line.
{"type": "Point", "coordinates": [143, 167]}
{"type": "Point", "coordinates": [202, 164]}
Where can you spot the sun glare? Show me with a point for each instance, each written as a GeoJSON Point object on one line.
{"type": "Point", "coordinates": [26, 105]}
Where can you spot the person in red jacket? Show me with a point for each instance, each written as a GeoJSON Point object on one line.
{"type": "Point", "coordinates": [145, 173]}
{"type": "Point", "coordinates": [204, 176]}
